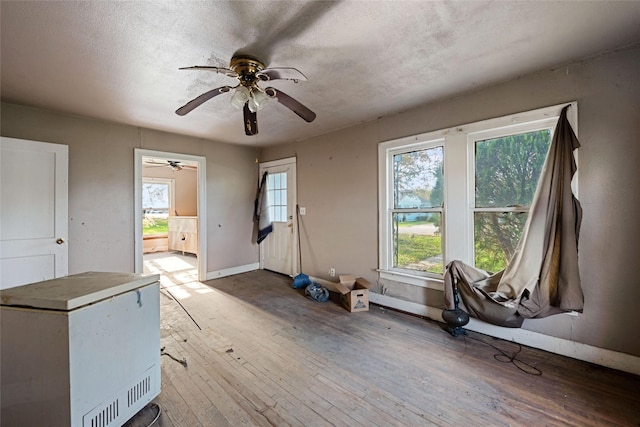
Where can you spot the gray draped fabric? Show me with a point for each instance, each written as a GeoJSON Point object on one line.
{"type": "Point", "coordinates": [261, 210]}
{"type": "Point", "coordinates": [542, 277]}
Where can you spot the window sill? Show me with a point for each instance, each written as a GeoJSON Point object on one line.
{"type": "Point", "coordinates": [155, 235]}
{"type": "Point", "coordinates": [411, 279]}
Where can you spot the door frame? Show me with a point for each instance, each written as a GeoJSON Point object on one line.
{"type": "Point", "coordinates": [139, 153]}
{"type": "Point", "coordinates": [295, 263]}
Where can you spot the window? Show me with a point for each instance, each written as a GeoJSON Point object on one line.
{"type": "Point", "coordinates": [462, 193]}
{"type": "Point", "coordinates": [416, 213]}
{"type": "Point", "coordinates": [506, 172]}
{"type": "Point", "coordinates": [277, 195]}
{"type": "Point", "coordinates": [157, 204]}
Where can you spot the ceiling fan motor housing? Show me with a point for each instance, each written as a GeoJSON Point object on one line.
{"type": "Point", "coordinates": [246, 67]}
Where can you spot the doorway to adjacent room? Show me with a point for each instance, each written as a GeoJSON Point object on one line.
{"type": "Point", "coordinates": [170, 239]}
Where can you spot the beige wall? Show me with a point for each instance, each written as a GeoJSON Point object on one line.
{"type": "Point", "coordinates": [101, 205]}
{"type": "Point", "coordinates": [337, 183]}
{"type": "Point", "coordinates": [185, 185]}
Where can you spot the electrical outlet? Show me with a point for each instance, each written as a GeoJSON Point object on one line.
{"type": "Point", "coordinates": [332, 272]}
{"type": "Point", "coordinates": [303, 211]}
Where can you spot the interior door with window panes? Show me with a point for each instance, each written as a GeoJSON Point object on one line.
{"type": "Point", "coordinates": [278, 251]}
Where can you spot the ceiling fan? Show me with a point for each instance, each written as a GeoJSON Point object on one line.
{"type": "Point", "coordinates": [247, 94]}
{"type": "Point", "coordinates": [172, 164]}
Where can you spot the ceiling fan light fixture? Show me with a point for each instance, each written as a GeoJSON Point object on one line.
{"type": "Point", "coordinates": [257, 101]}
{"type": "Point", "coordinates": [240, 97]}
{"type": "Point", "coordinates": [247, 94]}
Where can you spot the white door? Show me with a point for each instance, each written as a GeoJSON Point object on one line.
{"type": "Point", "coordinates": [279, 251]}
{"type": "Point", "coordinates": [33, 211]}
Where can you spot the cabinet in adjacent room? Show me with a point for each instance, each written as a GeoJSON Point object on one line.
{"type": "Point", "coordinates": [183, 234]}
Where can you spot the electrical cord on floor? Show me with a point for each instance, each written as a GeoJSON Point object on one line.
{"type": "Point", "coordinates": [183, 362]}
{"type": "Point", "coordinates": [504, 357]}
{"type": "Point", "coordinates": [180, 304]}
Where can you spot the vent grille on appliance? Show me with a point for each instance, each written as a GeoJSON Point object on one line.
{"type": "Point", "coordinates": [138, 391]}
{"type": "Point", "coordinates": [125, 403]}
{"type": "Point", "coordinates": [108, 414]}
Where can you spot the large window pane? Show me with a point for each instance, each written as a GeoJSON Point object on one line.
{"type": "Point", "coordinates": [507, 168]}
{"type": "Point", "coordinates": [496, 236]}
{"type": "Point", "coordinates": [417, 244]}
{"type": "Point", "coordinates": [418, 179]}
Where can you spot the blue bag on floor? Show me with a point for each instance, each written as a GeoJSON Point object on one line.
{"type": "Point", "coordinates": [317, 292]}
{"type": "Point", "coordinates": [301, 281]}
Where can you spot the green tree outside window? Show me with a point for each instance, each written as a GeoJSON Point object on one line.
{"type": "Point", "coordinates": [507, 170]}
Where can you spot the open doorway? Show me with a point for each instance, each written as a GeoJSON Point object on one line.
{"type": "Point", "coordinates": [169, 235]}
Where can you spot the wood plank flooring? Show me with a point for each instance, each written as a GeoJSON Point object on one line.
{"type": "Point", "coordinates": [262, 354]}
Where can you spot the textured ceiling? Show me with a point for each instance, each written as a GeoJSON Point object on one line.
{"type": "Point", "coordinates": [119, 61]}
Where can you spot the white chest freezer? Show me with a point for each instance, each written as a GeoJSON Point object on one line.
{"type": "Point", "coordinates": [82, 350]}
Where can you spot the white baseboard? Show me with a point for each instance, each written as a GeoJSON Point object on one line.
{"type": "Point", "coordinates": [600, 356]}
{"type": "Point", "coordinates": [233, 270]}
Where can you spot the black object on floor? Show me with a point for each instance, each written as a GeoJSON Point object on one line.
{"type": "Point", "coordinates": [145, 417]}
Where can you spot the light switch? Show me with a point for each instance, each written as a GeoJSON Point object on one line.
{"type": "Point", "coordinates": [303, 211]}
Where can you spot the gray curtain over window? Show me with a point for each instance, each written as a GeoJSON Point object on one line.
{"type": "Point", "coordinates": [542, 277]}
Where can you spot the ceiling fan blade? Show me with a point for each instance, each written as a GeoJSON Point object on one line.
{"type": "Point", "coordinates": [196, 102]}
{"type": "Point", "coordinates": [221, 70]}
{"type": "Point", "coordinates": [295, 106]}
{"type": "Point", "coordinates": [286, 73]}
{"type": "Point", "coordinates": [250, 121]}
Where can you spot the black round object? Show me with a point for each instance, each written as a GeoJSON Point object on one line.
{"type": "Point", "coordinates": [455, 318]}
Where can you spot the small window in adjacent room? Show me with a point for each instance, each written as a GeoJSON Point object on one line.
{"type": "Point", "coordinates": [157, 205]}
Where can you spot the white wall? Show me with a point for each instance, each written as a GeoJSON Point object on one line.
{"type": "Point", "coordinates": [101, 205]}
{"type": "Point", "coordinates": [337, 182]}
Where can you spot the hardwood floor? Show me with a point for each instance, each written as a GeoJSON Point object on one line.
{"type": "Point", "coordinates": [259, 353]}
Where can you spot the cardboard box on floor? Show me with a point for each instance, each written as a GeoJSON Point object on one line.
{"type": "Point", "coordinates": [354, 292]}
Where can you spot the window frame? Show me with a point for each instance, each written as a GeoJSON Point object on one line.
{"type": "Point", "coordinates": [459, 184]}
{"type": "Point", "coordinates": [275, 196]}
{"type": "Point", "coordinates": [472, 139]}
{"type": "Point", "coordinates": [170, 182]}
{"type": "Point", "coordinates": [387, 151]}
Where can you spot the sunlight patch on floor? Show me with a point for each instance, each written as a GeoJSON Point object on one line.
{"type": "Point", "coordinates": [198, 287]}
{"type": "Point", "coordinates": [178, 274]}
